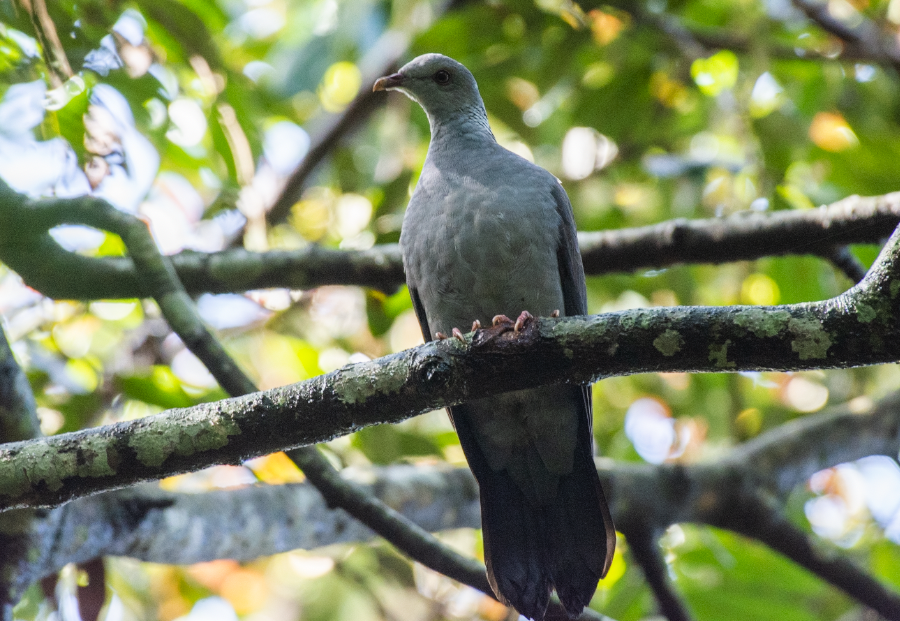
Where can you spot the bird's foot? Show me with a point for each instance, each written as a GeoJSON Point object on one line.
{"type": "Point", "coordinates": [501, 319]}
{"type": "Point", "coordinates": [440, 336]}
{"type": "Point", "coordinates": [555, 314]}
{"type": "Point", "coordinates": [522, 320]}
{"type": "Point", "coordinates": [458, 335]}
{"type": "Point", "coordinates": [476, 325]}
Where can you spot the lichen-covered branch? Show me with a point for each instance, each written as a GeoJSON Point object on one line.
{"type": "Point", "coordinates": [157, 526]}
{"type": "Point", "coordinates": [60, 274]}
{"type": "Point", "coordinates": [858, 327]}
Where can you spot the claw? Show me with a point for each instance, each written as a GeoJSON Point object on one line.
{"type": "Point", "coordinates": [459, 335]}
{"type": "Point", "coordinates": [555, 313]}
{"type": "Point", "coordinates": [440, 336]}
{"type": "Point", "coordinates": [476, 325]}
{"type": "Point", "coordinates": [498, 319]}
{"type": "Point", "coordinates": [524, 318]}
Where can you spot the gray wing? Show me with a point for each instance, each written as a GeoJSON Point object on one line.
{"type": "Point", "coordinates": [420, 310]}
{"type": "Point", "coordinates": [571, 277]}
{"type": "Point", "coordinates": [571, 274]}
{"type": "Point", "coordinates": [568, 257]}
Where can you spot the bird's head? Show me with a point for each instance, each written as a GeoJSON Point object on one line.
{"type": "Point", "coordinates": [442, 86]}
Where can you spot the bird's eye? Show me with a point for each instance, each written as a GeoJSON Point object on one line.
{"type": "Point", "coordinates": [442, 77]}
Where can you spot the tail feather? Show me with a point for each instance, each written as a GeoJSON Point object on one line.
{"type": "Point", "coordinates": [514, 546]}
{"type": "Point", "coordinates": [530, 550]}
{"type": "Point", "coordinates": [582, 535]}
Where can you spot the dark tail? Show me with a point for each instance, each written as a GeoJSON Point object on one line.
{"type": "Point", "coordinates": [530, 550]}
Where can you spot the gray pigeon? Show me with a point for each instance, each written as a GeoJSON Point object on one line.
{"type": "Point", "coordinates": [488, 234]}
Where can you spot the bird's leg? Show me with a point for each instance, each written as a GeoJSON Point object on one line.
{"type": "Point", "coordinates": [459, 335]}
{"type": "Point", "coordinates": [440, 336]}
{"type": "Point", "coordinates": [476, 325]}
{"type": "Point", "coordinates": [523, 319]}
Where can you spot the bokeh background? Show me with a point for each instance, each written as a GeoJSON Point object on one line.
{"type": "Point", "coordinates": [194, 113]}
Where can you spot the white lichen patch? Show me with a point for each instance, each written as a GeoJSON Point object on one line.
{"type": "Point", "coordinates": [356, 383]}
{"type": "Point", "coordinates": [192, 434]}
{"type": "Point", "coordinates": [761, 322]}
{"type": "Point", "coordinates": [668, 343]}
{"type": "Point", "coordinates": [718, 355]}
{"type": "Point", "coordinates": [812, 341]}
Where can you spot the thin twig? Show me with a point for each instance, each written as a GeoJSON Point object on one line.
{"type": "Point", "coordinates": [762, 520]}
{"type": "Point", "coordinates": [864, 36]}
{"type": "Point", "coordinates": [389, 49]}
{"type": "Point", "coordinates": [846, 261]}
{"type": "Point", "coordinates": [644, 546]}
{"type": "Point", "coordinates": [52, 48]}
{"type": "Point", "coordinates": [381, 59]}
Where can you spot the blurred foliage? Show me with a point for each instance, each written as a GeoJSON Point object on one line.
{"type": "Point", "coordinates": [194, 112]}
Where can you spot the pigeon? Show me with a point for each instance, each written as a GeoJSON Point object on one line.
{"type": "Point", "coordinates": [488, 235]}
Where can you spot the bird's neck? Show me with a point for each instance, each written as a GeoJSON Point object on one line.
{"type": "Point", "coordinates": [465, 129]}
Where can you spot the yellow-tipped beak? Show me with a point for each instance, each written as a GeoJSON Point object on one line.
{"type": "Point", "coordinates": [388, 82]}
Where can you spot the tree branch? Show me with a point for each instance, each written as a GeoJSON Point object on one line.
{"type": "Point", "coordinates": [18, 421]}
{"type": "Point", "coordinates": [18, 410]}
{"type": "Point", "coordinates": [414, 540]}
{"type": "Point", "coordinates": [381, 60]}
{"type": "Point", "coordinates": [758, 518]}
{"type": "Point", "coordinates": [644, 546]}
{"type": "Point", "coordinates": [157, 526]}
{"type": "Point", "coordinates": [60, 274]}
{"type": "Point", "coordinates": [55, 57]}
{"type": "Point", "coordinates": [843, 259]}
{"type": "Point", "coordinates": [865, 37]}
{"type": "Point", "coordinates": [858, 327]}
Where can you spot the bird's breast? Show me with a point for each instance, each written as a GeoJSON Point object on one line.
{"type": "Point", "coordinates": [476, 248]}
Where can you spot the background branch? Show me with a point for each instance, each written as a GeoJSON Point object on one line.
{"type": "Point", "coordinates": [381, 60]}
{"type": "Point", "coordinates": [864, 36]}
{"type": "Point", "coordinates": [18, 421]}
{"type": "Point", "coordinates": [41, 262]}
{"type": "Point", "coordinates": [159, 526]}
{"type": "Point", "coordinates": [45, 31]}
{"type": "Point", "coordinates": [761, 520]}
{"type": "Point", "coordinates": [643, 542]}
